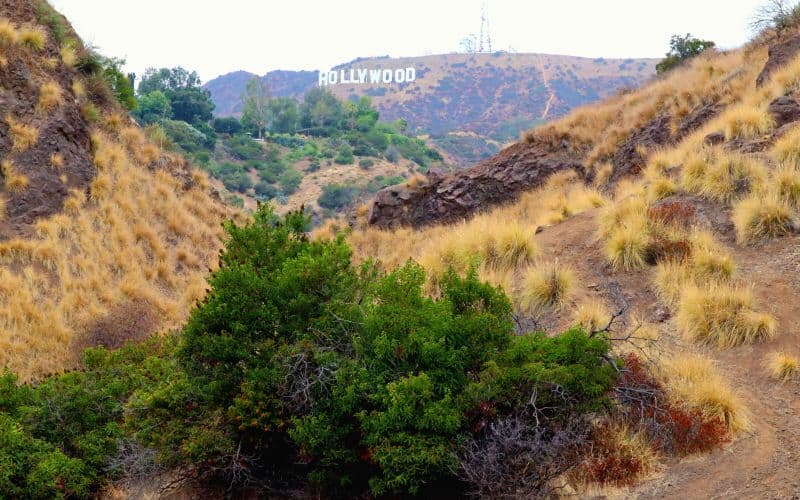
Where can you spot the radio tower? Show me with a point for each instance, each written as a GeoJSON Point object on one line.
{"type": "Point", "coordinates": [485, 41]}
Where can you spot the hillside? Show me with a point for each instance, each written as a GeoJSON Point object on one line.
{"type": "Point", "coordinates": [104, 237]}
{"type": "Point", "coordinates": [492, 95]}
{"type": "Point", "coordinates": [606, 308]}
{"type": "Point", "coordinates": [676, 205]}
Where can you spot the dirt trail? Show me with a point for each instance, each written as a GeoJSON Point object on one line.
{"type": "Point", "coordinates": [764, 463]}
{"type": "Point", "coordinates": [551, 95]}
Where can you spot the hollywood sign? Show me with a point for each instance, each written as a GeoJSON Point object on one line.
{"type": "Point", "coordinates": [364, 75]}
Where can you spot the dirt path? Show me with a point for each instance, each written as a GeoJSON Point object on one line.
{"type": "Point", "coordinates": [765, 463]}
{"type": "Point", "coordinates": [551, 95]}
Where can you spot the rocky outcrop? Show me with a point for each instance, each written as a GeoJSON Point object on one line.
{"type": "Point", "coordinates": [779, 55]}
{"type": "Point", "coordinates": [784, 109]}
{"type": "Point", "coordinates": [454, 196]}
{"type": "Point", "coordinates": [628, 160]}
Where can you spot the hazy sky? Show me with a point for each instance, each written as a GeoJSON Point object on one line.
{"type": "Point", "coordinates": [216, 37]}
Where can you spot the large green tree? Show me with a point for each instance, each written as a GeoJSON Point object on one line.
{"type": "Point", "coordinates": [283, 111]}
{"type": "Point", "coordinates": [188, 101]}
{"type": "Point", "coordinates": [153, 107]}
{"type": "Point", "coordinates": [321, 111]}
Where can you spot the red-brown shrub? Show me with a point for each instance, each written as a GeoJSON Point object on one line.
{"type": "Point", "coordinates": [670, 428]}
{"type": "Point", "coordinates": [672, 213]}
{"type": "Point", "coordinates": [663, 249]}
{"type": "Point", "coordinates": [614, 458]}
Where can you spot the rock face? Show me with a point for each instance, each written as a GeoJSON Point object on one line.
{"type": "Point", "coordinates": [785, 110]}
{"type": "Point", "coordinates": [627, 159]}
{"type": "Point", "coordinates": [779, 55]}
{"type": "Point", "coordinates": [62, 131]}
{"type": "Point", "coordinates": [451, 197]}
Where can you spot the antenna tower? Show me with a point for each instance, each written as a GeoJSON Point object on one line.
{"type": "Point", "coordinates": [485, 40]}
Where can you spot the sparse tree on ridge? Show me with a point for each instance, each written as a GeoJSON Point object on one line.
{"type": "Point", "coordinates": [682, 48]}
{"type": "Point", "coordinates": [255, 105]}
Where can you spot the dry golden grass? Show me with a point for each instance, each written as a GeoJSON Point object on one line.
{"type": "Point", "coordinates": [746, 122]}
{"type": "Point", "coordinates": [500, 243]}
{"type": "Point", "coordinates": [15, 181]}
{"type": "Point", "coordinates": [722, 315]}
{"type": "Point", "coordinates": [732, 175]}
{"type": "Point", "coordinates": [68, 55]}
{"type": "Point", "coordinates": [545, 286]}
{"type": "Point", "coordinates": [591, 315]}
{"type": "Point", "coordinates": [33, 37]}
{"type": "Point", "coordinates": [49, 97]}
{"type": "Point", "coordinates": [693, 380]}
{"type": "Point", "coordinates": [786, 149]}
{"type": "Point", "coordinates": [56, 160]}
{"type": "Point", "coordinates": [121, 247]}
{"type": "Point", "coordinates": [660, 188]}
{"type": "Point", "coordinates": [8, 32]}
{"type": "Point", "coordinates": [22, 136]}
{"type": "Point", "coordinates": [786, 183]}
{"type": "Point", "coordinates": [781, 365]}
{"type": "Point", "coordinates": [626, 245]}
{"type": "Point", "coordinates": [758, 217]}
{"type": "Point", "coordinates": [79, 89]}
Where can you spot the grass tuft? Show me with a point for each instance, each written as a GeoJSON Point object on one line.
{"type": "Point", "coordinates": [8, 32]}
{"type": "Point", "coordinates": [732, 175]}
{"type": "Point", "coordinates": [693, 380]}
{"type": "Point", "coordinates": [758, 217]}
{"type": "Point", "coordinates": [591, 315]}
{"type": "Point", "coordinates": [22, 136]}
{"type": "Point", "coordinates": [781, 365]}
{"type": "Point", "coordinates": [544, 286]}
{"type": "Point", "coordinates": [722, 315]}
{"type": "Point", "coordinates": [786, 182]}
{"type": "Point", "coordinates": [627, 246]}
{"type": "Point", "coordinates": [14, 181]}
{"type": "Point", "coordinates": [33, 37]}
{"type": "Point", "coordinates": [49, 97]}
{"type": "Point", "coordinates": [747, 122]}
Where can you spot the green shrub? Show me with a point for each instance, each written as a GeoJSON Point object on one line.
{"type": "Point", "coordinates": [265, 190]}
{"type": "Point", "coordinates": [345, 155]}
{"type": "Point", "coordinates": [366, 163]}
{"type": "Point", "coordinates": [301, 366]}
{"type": "Point", "coordinates": [336, 196]}
{"type": "Point", "coordinates": [290, 180]}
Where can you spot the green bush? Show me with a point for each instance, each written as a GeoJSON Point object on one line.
{"type": "Point", "coordinates": [300, 366]}
{"type": "Point", "coordinates": [290, 180]}
{"type": "Point", "coordinates": [336, 196]}
{"type": "Point", "coordinates": [345, 155]}
{"type": "Point", "coordinates": [265, 190]}
{"type": "Point", "coordinates": [243, 147]}
{"type": "Point", "coordinates": [366, 163]}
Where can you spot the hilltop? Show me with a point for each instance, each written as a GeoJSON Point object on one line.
{"type": "Point", "coordinates": [470, 103]}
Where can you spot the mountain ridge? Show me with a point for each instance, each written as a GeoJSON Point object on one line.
{"type": "Point", "coordinates": [479, 93]}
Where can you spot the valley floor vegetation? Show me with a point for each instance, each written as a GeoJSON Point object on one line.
{"type": "Point", "coordinates": [296, 140]}
{"type": "Point", "coordinates": [301, 371]}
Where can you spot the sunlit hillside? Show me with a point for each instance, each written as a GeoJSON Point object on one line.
{"type": "Point", "coordinates": [105, 238]}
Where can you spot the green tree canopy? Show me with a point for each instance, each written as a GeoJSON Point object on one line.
{"type": "Point", "coordinates": [153, 107]}
{"type": "Point", "coordinates": [321, 111]}
{"type": "Point", "coordinates": [682, 48]}
{"type": "Point", "coordinates": [165, 79]}
{"type": "Point", "coordinates": [283, 111]}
